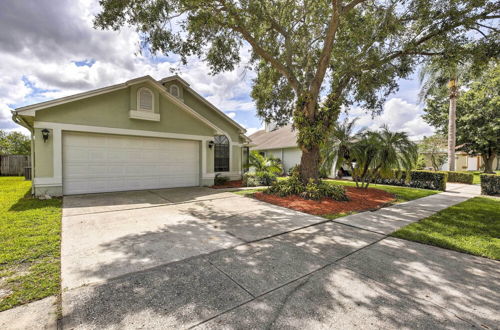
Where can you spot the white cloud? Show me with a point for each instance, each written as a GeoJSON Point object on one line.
{"type": "Point", "coordinates": [231, 114]}
{"type": "Point", "coordinates": [39, 52]}
{"type": "Point", "coordinates": [398, 115]}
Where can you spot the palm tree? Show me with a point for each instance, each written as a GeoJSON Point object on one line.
{"type": "Point", "coordinates": [336, 149]}
{"type": "Point", "coordinates": [396, 151]}
{"type": "Point", "coordinates": [437, 75]}
{"type": "Point", "coordinates": [378, 154]}
{"type": "Point", "coordinates": [264, 164]}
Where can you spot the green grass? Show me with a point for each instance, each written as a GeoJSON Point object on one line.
{"type": "Point", "coordinates": [30, 232]}
{"type": "Point", "coordinates": [402, 194]}
{"type": "Point", "coordinates": [472, 227]}
{"type": "Point", "coordinates": [247, 192]}
{"type": "Point", "coordinates": [477, 176]}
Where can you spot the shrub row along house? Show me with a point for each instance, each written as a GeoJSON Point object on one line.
{"type": "Point", "coordinates": [141, 134]}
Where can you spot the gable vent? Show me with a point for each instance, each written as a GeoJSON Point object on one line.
{"type": "Point", "coordinates": [145, 100]}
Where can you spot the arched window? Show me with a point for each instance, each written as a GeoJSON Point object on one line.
{"type": "Point", "coordinates": [221, 153]}
{"type": "Point", "coordinates": [174, 90]}
{"type": "Point", "coordinates": [145, 100]}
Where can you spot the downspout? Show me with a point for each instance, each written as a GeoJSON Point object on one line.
{"type": "Point", "coordinates": [20, 121]}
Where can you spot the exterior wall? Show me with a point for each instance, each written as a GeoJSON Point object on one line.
{"type": "Point", "coordinates": [112, 110]}
{"type": "Point", "coordinates": [109, 113]}
{"type": "Point", "coordinates": [44, 153]}
{"type": "Point", "coordinates": [289, 156]}
{"type": "Point", "coordinates": [211, 115]}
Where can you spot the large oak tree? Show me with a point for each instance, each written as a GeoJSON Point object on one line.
{"type": "Point", "coordinates": [311, 56]}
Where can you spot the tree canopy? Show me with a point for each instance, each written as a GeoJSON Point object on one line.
{"type": "Point", "coordinates": [311, 56]}
{"type": "Point", "coordinates": [478, 114]}
{"type": "Point", "coordinates": [14, 143]}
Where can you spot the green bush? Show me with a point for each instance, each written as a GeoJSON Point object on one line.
{"type": "Point", "coordinates": [459, 177]}
{"type": "Point", "coordinates": [219, 180]}
{"type": "Point", "coordinates": [490, 184]}
{"type": "Point", "coordinates": [417, 179]}
{"type": "Point", "coordinates": [312, 190]}
{"type": "Point", "coordinates": [258, 179]}
{"type": "Point", "coordinates": [428, 180]}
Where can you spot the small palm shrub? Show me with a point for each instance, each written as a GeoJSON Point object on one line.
{"type": "Point", "coordinates": [260, 178]}
{"type": "Point", "coordinates": [315, 190]}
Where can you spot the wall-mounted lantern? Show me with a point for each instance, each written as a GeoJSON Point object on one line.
{"type": "Point", "coordinates": [211, 144]}
{"type": "Point", "coordinates": [45, 134]}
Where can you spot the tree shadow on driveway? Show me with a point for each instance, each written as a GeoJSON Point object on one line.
{"type": "Point", "coordinates": [295, 280]}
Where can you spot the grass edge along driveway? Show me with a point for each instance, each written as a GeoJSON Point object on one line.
{"type": "Point", "coordinates": [472, 227]}
{"type": "Point", "coordinates": [30, 236]}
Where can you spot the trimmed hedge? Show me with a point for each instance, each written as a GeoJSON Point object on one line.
{"type": "Point", "coordinates": [490, 184]}
{"type": "Point", "coordinates": [418, 179]}
{"type": "Point", "coordinates": [459, 177]}
{"type": "Point", "coordinates": [428, 180]}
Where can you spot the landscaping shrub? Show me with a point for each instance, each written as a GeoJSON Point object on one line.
{"type": "Point", "coordinates": [312, 190]}
{"type": "Point", "coordinates": [418, 179]}
{"type": "Point", "coordinates": [459, 177]}
{"type": "Point", "coordinates": [490, 184]}
{"type": "Point", "coordinates": [428, 180]}
{"type": "Point", "coordinates": [259, 179]}
{"type": "Point", "coordinates": [219, 180]}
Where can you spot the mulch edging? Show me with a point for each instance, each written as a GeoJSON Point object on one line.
{"type": "Point", "coordinates": [359, 200]}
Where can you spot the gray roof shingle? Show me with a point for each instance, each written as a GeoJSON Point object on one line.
{"type": "Point", "coordinates": [283, 137]}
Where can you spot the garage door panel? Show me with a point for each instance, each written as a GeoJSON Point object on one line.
{"type": "Point", "coordinates": [101, 163]}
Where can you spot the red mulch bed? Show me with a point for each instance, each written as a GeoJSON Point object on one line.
{"type": "Point", "coordinates": [359, 200]}
{"type": "Point", "coordinates": [229, 184]}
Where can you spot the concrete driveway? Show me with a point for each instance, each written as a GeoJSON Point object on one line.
{"type": "Point", "coordinates": [111, 234]}
{"type": "Point", "coordinates": [195, 257]}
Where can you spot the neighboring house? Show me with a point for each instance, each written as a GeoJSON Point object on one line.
{"type": "Point", "coordinates": [280, 143]}
{"type": "Point", "coordinates": [141, 134]}
{"type": "Point", "coordinates": [463, 162]}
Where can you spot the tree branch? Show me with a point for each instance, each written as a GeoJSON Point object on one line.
{"type": "Point", "coordinates": [324, 58]}
{"type": "Point", "coordinates": [351, 5]}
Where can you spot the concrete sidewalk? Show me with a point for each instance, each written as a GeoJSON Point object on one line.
{"type": "Point", "coordinates": [389, 219]}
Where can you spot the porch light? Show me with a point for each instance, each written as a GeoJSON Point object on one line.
{"type": "Point", "coordinates": [45, 134]}
{"type": "Point", "coordinates": [211, 144]}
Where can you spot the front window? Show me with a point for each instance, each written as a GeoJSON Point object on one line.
{"type": "Point", "coordinates": [221, 153]}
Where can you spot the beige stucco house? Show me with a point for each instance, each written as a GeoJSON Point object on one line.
{"type": "Point", "coordinates": [140, 134]}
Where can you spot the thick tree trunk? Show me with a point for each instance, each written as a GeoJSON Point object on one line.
{"type": "Point", "coordinates": [452, 124]}
{"type": "Point", "coordinates": [309, 164]}
{"type": "Point", "coordinates": [488, 163]}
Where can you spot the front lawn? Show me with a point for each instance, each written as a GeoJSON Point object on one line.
{"type": "Point", "coordinates": [30, 236]}
{"type": "Point", "coordinates": [472, 227]}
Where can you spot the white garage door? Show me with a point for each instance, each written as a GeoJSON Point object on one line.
{"type": "Point", "coordinates": [103, 162]}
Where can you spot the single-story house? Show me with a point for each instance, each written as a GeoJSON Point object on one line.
{"type": "Point", "coordinates": [140, 134]}
{"type": "Point", "coordinates": [279, 142]}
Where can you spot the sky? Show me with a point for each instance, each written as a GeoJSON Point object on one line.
{"type": "Point", "coordinates": [49, 49]}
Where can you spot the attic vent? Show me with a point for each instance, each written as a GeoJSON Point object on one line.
{"type": "Point", "coordinates": [174, 90]}
{"type": "Point", "coordinates": [145, 100]}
